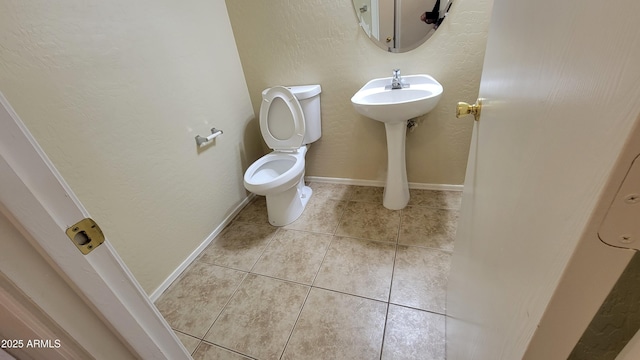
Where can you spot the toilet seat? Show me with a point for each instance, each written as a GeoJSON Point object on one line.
{"type": "Point", "coordinates": [281, 132]}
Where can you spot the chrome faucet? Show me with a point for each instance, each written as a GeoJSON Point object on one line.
{"type": "Point", "coordinates": [397, 82]}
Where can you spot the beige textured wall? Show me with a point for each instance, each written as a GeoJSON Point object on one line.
{"type": "Point", "coordinates": [115, 91]}
{"type": "Point", "coordinates": [283, 42]}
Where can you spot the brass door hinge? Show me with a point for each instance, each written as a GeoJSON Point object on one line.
{"type": "Point", "coordinates": [86, 235]}
{"type": "Point", "coordinates": [620, 225]}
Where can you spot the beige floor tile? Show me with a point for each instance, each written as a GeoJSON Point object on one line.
{"type": "Point", "coordinates": [265, 314]}
{"type": "Point", "coordinates": [427, 227]}
{"type": "Point", "coordinates": [358, 267]}
{"type": "Point", "coordinates": [420, 278]}
{"type": "Point", "coordinates": [259, 318]}
{"type": "Point", "coordinates": [239, 245]}
{"type": "Point", "coordinates": [293, 255]}
{"type": "Point", "coordinates": [188, 341]}
{"type": "Point", "coordinates": [337, 326]}
{"type": "Point", "coordinates": [193, 302]}
{"type": "Point", "coordinates": [435, 198]}
{"type": "Point", "coordinates": [211, 352]}
{"type": "Point", "coordinates": [320, 215]}
{"type": "Point", "coordinates": [331, 191]}
{"type": "Point", "coordinates": [368, 194]}
{"type": "Point", "coordinates": [413, 334]}
{"type": "Point", "coordinates": [255, 212]}
{"type": "Point", "coordinates": [370, 221]}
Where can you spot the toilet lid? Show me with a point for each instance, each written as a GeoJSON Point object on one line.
{"type": "Point", "coordinates": [281, 119]}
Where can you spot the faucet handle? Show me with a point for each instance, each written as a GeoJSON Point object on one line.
{"type": "Point", "coordinates": [396, 72]}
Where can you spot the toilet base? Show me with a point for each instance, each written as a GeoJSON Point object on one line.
{"type": "Point", "coordinates": [285, 207]}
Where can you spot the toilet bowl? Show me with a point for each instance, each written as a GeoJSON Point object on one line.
{"type": "Point", "coordinates": [280, 177]}
{"type": "Point", "coordinates": [289, 121]}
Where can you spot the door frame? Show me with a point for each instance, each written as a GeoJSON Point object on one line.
{"type": "Point", "coordinates": [38, 200]}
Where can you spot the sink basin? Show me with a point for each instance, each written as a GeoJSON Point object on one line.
{"type": "Point", "coordinates": [377, 101]}
{"type": "Point", "coordinates": [394, 108]}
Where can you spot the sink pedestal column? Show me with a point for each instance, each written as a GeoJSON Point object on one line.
{"type": "Point", "coordinates": [396, 190]}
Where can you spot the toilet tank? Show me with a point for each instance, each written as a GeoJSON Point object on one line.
{"type": "Point", "coordinates": [309, 98]}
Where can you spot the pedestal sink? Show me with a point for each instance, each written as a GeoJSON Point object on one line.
{"type": "Point", "coordinates": [394, 107]}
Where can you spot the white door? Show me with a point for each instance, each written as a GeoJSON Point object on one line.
{"type": "Point", "coordinates": [558, 129]}
{"type": "Point", "coordinates": [385, 21]}
{"type": "Point", "coordinates": [35, 198]}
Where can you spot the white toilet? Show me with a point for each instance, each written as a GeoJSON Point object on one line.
{"type": "Point", "coordinates": [289, 121]}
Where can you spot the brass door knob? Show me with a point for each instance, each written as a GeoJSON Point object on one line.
{"type": "Point", "coordinates": [465, 109]}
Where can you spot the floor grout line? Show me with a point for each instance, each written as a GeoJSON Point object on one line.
{"type": "Point", "coordinates": [349, 294]}
{"type": "Point", "coordinates": [284, 349]}
{"type": "Point", "coordinates": [235, 291]}
{"type": "Point", "coordinates": [226, 348]}
{"type": "Point", "coordinates": [393, 271]}
{"type": "Point", "coordinates": [306, 297]}
{"type": "Point", "coordinates": [273, 236]}
{"type": "Point", "coordinates": [417, 309]}
{"type": "Point", "coordinates": [196, 348]}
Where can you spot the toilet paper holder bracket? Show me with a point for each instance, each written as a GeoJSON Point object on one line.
{"type": "Point", "coordinates": [203, 140]}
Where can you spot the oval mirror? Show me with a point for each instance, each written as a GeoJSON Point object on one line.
{"type": "Point", "coordinates": [400, 25]}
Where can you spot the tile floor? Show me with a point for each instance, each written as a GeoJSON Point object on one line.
{"type": "Point", "coordinates": [349, 279]}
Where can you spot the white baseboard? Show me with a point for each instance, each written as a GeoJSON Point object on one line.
{"type": "Point", "coordinates": [379, 183]}
{"type": "Point", "coordinates": [174, 275]}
